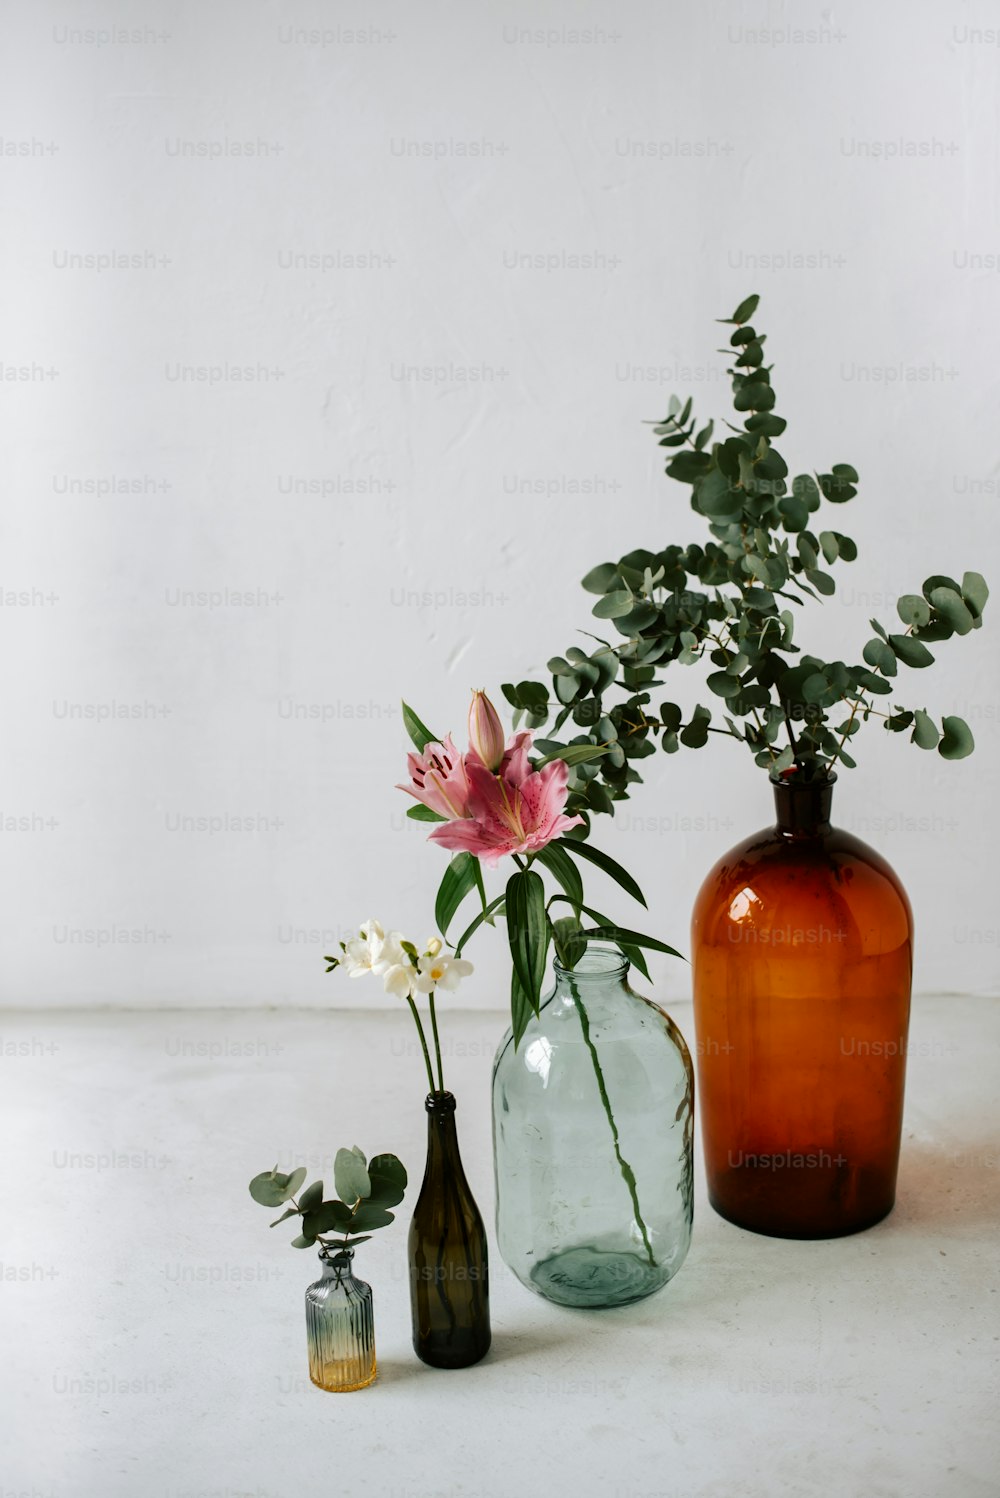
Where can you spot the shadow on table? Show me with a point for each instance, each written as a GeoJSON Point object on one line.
{"type": "Point", "coordinates": [948, 1187]}
{"type": "Point", "coordinates": [506, 1346]}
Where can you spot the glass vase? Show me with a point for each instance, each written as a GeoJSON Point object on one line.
{"type": "Point", "coordinates": [340, 1329]}
{"type": "Point", "coordinates": [449, 1264]}
{"type": "Point", "coordinates": [802, 941]}
{"type": "Point", "coordinates": [592, 1129]}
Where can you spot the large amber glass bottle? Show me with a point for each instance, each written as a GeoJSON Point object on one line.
{"type": "Point", "coordinates": [449, 1264]}
{"type": "Point", "coordinates": [802, 940]}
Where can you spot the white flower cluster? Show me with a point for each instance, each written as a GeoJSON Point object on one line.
{"type": "Point", "coordinates": [404, 971]}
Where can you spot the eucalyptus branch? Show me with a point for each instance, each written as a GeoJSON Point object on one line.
{"type": "Point", "coordinates": [668, 605]}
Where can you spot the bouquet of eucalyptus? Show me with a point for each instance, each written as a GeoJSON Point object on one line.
{"type": "Point", "coordinates": [733, 605]}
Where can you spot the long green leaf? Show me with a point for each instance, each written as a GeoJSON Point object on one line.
{"type": "Point", "coordinates": [575, 754]}
{"type": "Point", "coordinates": [619, 934]}
{"type": "Point", "coordinates": [458, 881]}
{"type": "Point", "coordinates": [480, 886]}
{"type": "Point", "coordinates": [521, 1012]}
{"type": "Point", "coordinates": [559, 863]}
{"type": "Point", "coordinates": [419, 732]}
{"type": "Point", "coordinates": [528, 931]}
{"type": "Point", "coordinates": [420, 813]}
{"type": "Point", "coordinates": [633, 953]}
{"type": "Point", "coordinates": [474, 926]}
{"type": "Point", "coordinates": [605, 862]}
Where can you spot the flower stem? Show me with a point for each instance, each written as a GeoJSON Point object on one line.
{"type": "Point", "coordinates": [628, 1174]}
{"type": "Point", "coordinates": [437, 1043]}
{"type": "Point", "coordinates": [423, 1042]}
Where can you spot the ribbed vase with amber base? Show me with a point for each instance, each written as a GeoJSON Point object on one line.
{"type": "Point", "coordinates": [340, 1328]}
{"type": "Point", "coordinates": [802, 948]}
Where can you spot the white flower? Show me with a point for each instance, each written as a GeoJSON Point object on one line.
{"type": "Point", "coordinates": [372, 951]}
{"type": "Point", "coordinates": [441, 970]}
{"type": "Point", "coordinates": [401, 979]}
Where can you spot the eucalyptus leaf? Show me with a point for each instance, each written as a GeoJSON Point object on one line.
{"type": "Point", "coordinates": [350, 1176]}
{"type": "Point", "coordinates": [388, 1180]}
{"type": "Point", "coordinates": [956, 741]}
{"type": "Point", "coordinates": [952, 607]}
{"type": "Point", "coordinates": [910, 651]}
{"type": "Point", "coordinates": [311, 1197]}
{"type": "Point", "coordinates": [614, 605]}
{"type": "Point", "coordinates": [975, 592]}
{"type": "Point", "coordinates": [599, 579]}
{"type": "Point", "coordinates": [925, 734]}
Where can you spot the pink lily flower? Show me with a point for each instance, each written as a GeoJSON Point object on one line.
{"type": "Point", "coordinates": [517, 810]}
{"type": "Point", "coordinates": [440, 779]}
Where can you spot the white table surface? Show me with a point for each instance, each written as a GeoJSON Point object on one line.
{"type": "Point", "coordinates": [154, 1330]}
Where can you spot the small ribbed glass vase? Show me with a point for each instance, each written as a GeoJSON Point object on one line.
{"type": "Point", "coordinates": [340, 1328]}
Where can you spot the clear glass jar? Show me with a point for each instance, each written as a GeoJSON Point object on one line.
{"type": "Point", "coordinates": [340, 1327]}
{"type": "Point", "coordinates": [592, 1131]}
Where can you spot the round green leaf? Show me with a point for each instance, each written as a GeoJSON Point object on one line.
{"type": "Point", "coordinates": [723, 685]}
{"type": "Point", "coordinates": [880, 656]}
{"type": "Point", "coordinates": [599, 579]}
{"type": "Point", "coordinates": [614, 605]}
{"type": "Point", "coordinates": [911, 652]}
{"type": "Point", "coordinates": [804, 486]}
{"type": "Point", "coordinates": [951, 607]}
{"type": "Point", "coordinates": [821, 581]}
{"type": "Point", "coordinates": [975, 592]}
{"type": "Point", "coordinates": [271, 1188]}
{"type": "Point", "coordinates": [328, 1217]}
{"type": "Point", "coordinates": [939, 581]}
{"type": "Point", "coordinates": [367, 1218]}
{"type": "Point", "coordinates": [815, 687]}
{"type": "Point", "coordinates": [350, 1176]}
{"type": "Point", "coordinates": [913, 610]}
{"type": "Point", "coordinates": [957, 740]}
{"type": "Point", "coordinates": [311, 1197]}
{"type": "Point", "coordinates": [388, 1178]}
{"type": "Point", "coordinates": [795, 513]}
{"type": "Point", "coordinates": [925, 734]}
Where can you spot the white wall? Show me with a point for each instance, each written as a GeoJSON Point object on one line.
{"type": "Point", "coordinates": [691, 158]}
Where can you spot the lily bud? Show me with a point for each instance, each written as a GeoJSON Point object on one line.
{"type": "Point", "coordinates": [486, 732]}
{"type": "Point", "coordinates": [433, 946]}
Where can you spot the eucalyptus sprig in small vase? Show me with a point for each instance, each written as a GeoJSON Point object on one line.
{"type": "Point", "coordinates": [448, 1256]}
{"type": "Point", "coordinates": [340, 1328]}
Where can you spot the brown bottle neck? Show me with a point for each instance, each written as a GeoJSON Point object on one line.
{"type": "Point", "coordinates": [802, 807]}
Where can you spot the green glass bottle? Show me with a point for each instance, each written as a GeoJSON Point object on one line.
{"type": "Point", "coordinates": [449, 1266]}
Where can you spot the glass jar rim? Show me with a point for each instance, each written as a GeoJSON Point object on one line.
{"type": "Point", "coordinates": [599, 961]}
{"type": "Point", "coordinates": [331, 1252]}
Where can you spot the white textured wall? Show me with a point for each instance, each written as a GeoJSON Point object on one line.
{"type": "Point", "coordinates": [848, 172]}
